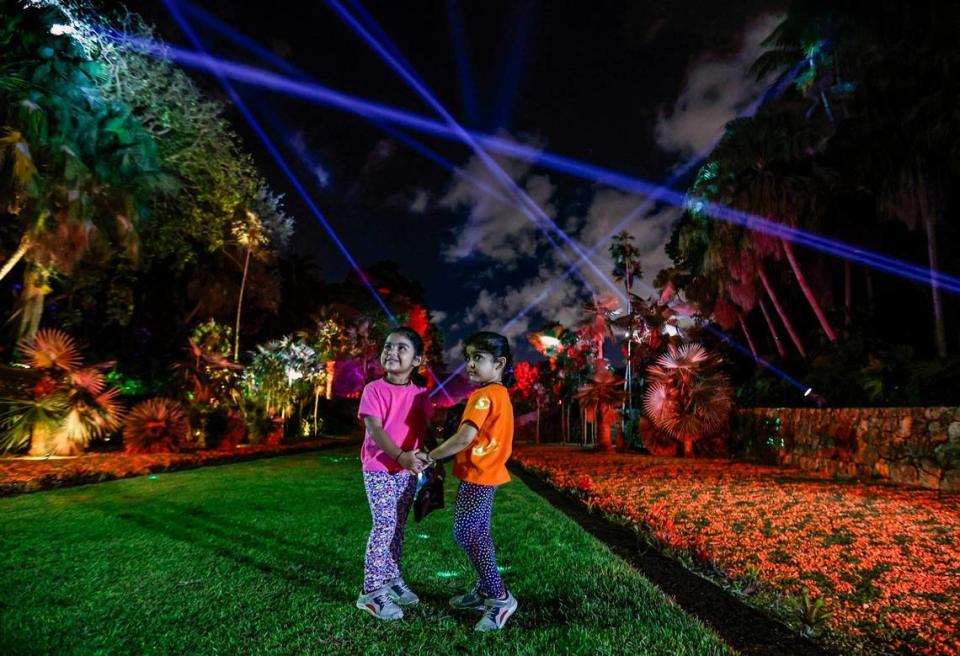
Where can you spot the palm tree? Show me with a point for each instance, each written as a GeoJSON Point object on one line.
{"type": "Point", "coordinates": [626, 260]}
{"type": "Point", "coordinates": [687, 394]}
{"type": "Point", "coordinates": [915, 197]}
{"type": "Point", "coordinates": [602, 393]}
{"type": "Point", "coordinates": [597, 322]}
{"type": "Point", "coordinates": [259, 232]}
{"type": "Point", "coordinates": [730, 257]}
{"type": "Point", "coordinates": [765, 164]}
{"type": "Point", "coordinates": [69, 405]}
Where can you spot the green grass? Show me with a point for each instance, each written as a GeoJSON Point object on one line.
{"type": "Point", "coordinates": [265, 557]}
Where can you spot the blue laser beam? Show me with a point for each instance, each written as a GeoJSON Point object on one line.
{"type": "Point", "coordinates": [513, 64]}
{"type": "Point", "coordinates": [280, 62]}
{"type": "Point", "coordinates": [449, 165]}
{"type": "Point", "coordinates": [458, 41]}
{"type": "Point", "coordinates": [762, 362]}
{"type": "Point", "coordinates": [747, 221]}
{"type": "Point", "coordinates": [281, 162]}
{"type": "Point", "coordinates": [527, 205]}
{"type": "Point", "coordinates": [593, 173]}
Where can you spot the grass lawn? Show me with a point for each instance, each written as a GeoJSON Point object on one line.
{"type": "Point", "coordinates": [266, 557]}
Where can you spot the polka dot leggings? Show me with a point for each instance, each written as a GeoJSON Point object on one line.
{"type": "Point", "coordinates": [471, 529]}
{"type": "Point", "coordinates": [390, 497]}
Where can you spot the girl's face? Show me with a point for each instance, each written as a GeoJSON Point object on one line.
{"type": "Point", "coordinates": [482, 367]}
{"type": "Point", "coordinates": [398, 357]}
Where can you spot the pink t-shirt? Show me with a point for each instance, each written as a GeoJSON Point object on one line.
{"type": "Point", "coordinates": [404, 411]}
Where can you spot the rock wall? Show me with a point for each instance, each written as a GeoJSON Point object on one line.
{"type": "Point", "coordinates": [909, 446]}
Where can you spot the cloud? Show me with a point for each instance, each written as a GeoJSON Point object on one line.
{"type": "Point", "coordinates": [497, 231]}
{"type": "Point", "coordinates": [421, 200]}
{"type": "Point", "coordinates": [650, 229]}
{"type": "Point", "coordinates": [716, 90]}
{"type": "Point", "coordinates": [322, 175]}
{"type": "Point", "coordinates": [495, 228]}
{"type": "Point", "coordinates": [298, 142]}
{"type": "Point", "coordinates": [437, 316]}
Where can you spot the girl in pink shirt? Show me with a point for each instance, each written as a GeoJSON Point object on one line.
{"type": "Point", "coordinates": [395, 412]}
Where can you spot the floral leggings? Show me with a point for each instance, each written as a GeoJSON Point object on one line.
{"type": "Point", "coordinates": [471, 529]}
{"type": "Point", "coordinates": [390, 497]}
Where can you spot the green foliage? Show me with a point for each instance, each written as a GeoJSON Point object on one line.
{"type": "Point", "coordinates": [213, 337]}
{"type": "Point", "coordinates": [626, 259]}
{"type": "Point", "coordinates": [811, 613]}
{"type": "Point", "coordinates": [24, 419]}
{"type": "Point", "coordinates": [283, 372]}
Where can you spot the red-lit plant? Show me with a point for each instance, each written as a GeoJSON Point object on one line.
{"type": "Point", "coordinates": [69, 405]}
{"type": "Point", "coordinates": [687, 395]}
{"type": "Point", "coordinates": [155, 426]}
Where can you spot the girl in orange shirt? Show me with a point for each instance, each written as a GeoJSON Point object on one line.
{"type": "Point", "coordinates": [481, 448]}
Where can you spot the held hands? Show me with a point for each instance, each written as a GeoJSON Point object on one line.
{"type": "Point", "coordinates": [410, 461]}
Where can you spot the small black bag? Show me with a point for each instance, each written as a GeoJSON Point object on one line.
{"type": "Point", "coordinates": [429, 493]}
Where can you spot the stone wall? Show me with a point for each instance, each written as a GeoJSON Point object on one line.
{"type": "Point", "coordinates": [910, 446]}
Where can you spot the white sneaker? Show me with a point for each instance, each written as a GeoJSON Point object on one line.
{"type": "Point", "coordinates": [401, 593]}
{"type": "Point", "coordinates": [469, 601]}
{"type": "Point", "coordinates": [379, 604]}
{"type": "Point", "coordinates": [496, 612]}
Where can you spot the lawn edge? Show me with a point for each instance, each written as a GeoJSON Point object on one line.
{"type": "Point", "coordinates": [189, 461]}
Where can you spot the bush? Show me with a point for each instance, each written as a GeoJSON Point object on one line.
{"type": "Point", "coordinates": [155, 426]}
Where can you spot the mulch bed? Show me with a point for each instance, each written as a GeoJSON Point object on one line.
{"type": "Point", "coordinates": [22, 475]}
{"type": "Point", "coordinates": [743, 627]}
{"type": "Point", "coordinates": [883, 560]}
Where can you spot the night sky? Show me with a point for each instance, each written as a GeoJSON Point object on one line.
{"type": "Point", "coordinates": [635, 87]}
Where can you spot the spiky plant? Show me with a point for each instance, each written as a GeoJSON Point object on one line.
{"type": "Point", "coordinates": [71, 403]}
{"type": "Point", "coordinates": [687, 395]}
{"type": "Point", "coordinates": [155, 426]}
{"type": "Point", "coordinates": [31, 422]}
{"type": "Point", "coordinates": [52, 348]}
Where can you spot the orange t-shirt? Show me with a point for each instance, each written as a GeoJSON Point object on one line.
{"type": "Point", "coordinates": [484, 462]}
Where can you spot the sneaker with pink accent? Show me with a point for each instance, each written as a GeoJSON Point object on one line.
{"type": "Point", "coordinates": [379, 604]}
{"type": "Point", "coordinates": [496, 612]}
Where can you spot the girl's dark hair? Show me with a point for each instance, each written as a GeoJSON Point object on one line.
{"type": "Point", "coordinates": [410, 334]}
{"type": "Point", "coordinates": [496, 345]}
{"type": "Point", "coordinates": [417, 341]}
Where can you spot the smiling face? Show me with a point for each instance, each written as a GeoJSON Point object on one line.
{"type": "Point", "coordinates": [482, 367]}
{"type": "Point", "coordinates": [399, 357]}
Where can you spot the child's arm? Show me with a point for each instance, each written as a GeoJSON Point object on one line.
{"type": "Point", "coordinates": [455, 443]}
{"type": "Point", "coordinates": [406, 459]}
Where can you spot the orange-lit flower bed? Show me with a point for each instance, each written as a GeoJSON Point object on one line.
{"type": "Point", "coordinates": [885, 559]}
{"type": "Point", "coordinates": [18, 475]}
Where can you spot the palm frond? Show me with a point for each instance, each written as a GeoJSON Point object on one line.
{"type": "Point", "coordinates": [52, 348]}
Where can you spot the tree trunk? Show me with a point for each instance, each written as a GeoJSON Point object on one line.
{"type": "Point", "coordinates": [603, 441]}
{"type": "Point", "coordinates": [243, 285]}
{"type": "Point", "coordinates": [40, 442]}
{"type": "Point", "coordinates": [35, 289]}
{"type": "Point", "coordinates": [847, 293]}
{"type": "Point", "coordinates": [772, 327]}
{"type": "Point", "coordinates": [331, 374]}
{"type": "Point", "coordinates": [871, 298]}
{"type": "Point", "coordinates": [18, 254]}
{"type": "Point", "coordinates": [687, 447]}
{"type": "Point", "coordinates": [805, 286]}
{"type": "Point", "coordinates": [536, 439]}
{"type": "Point", "coordinates": [939, 329]}
{"type": "Point", "coordinates": [780, 311]}
{"type": "Point", "coordinates": [746, 333]}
